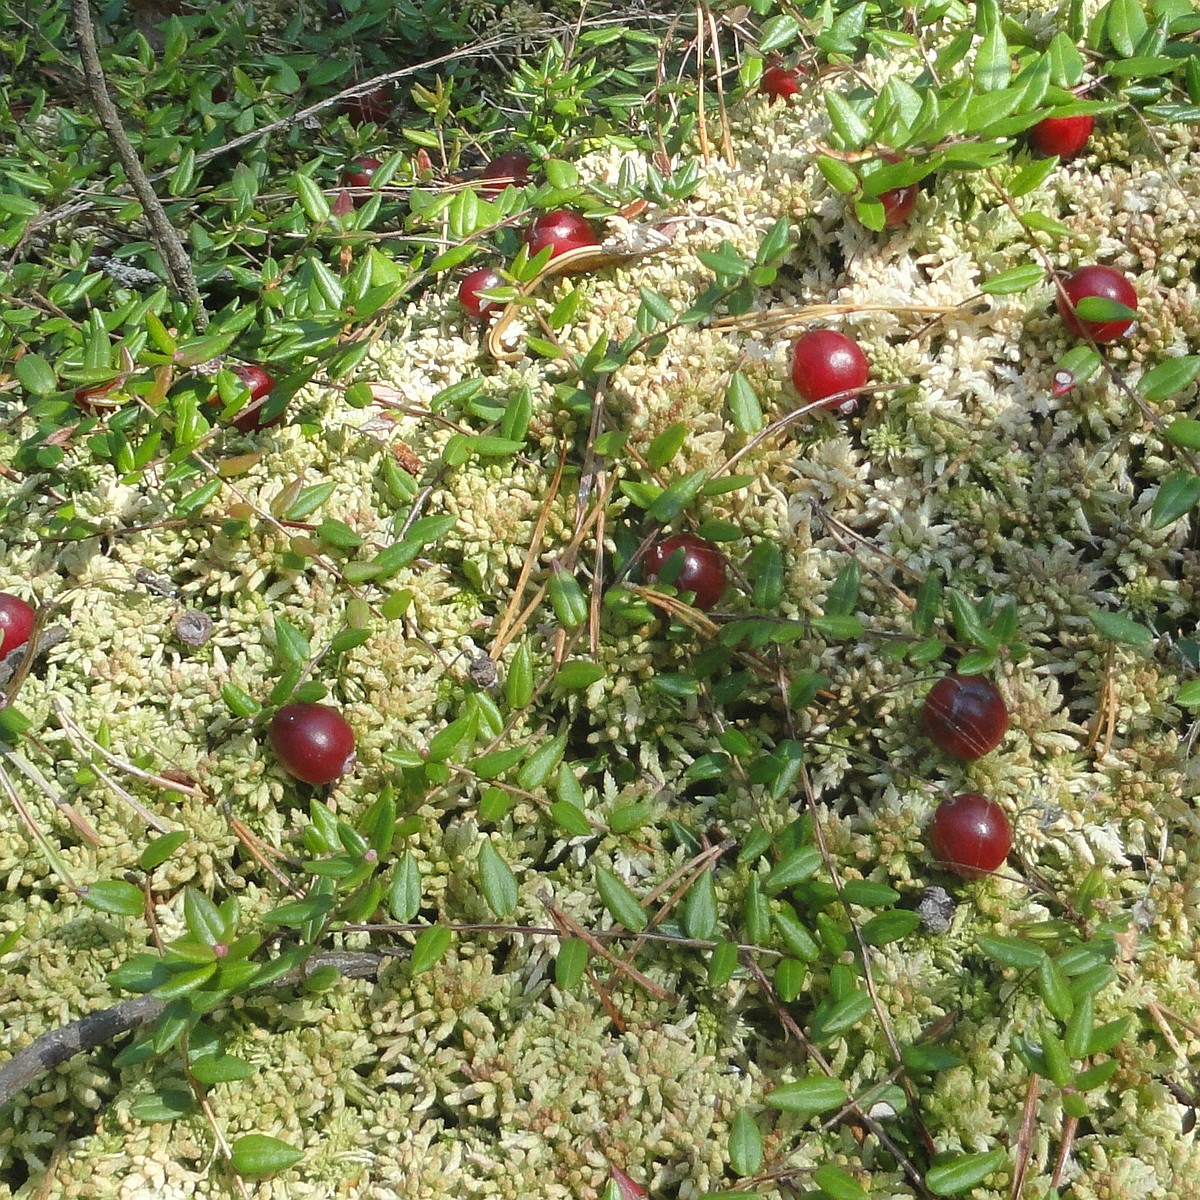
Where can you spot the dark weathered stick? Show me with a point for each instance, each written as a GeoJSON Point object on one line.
{"type": "Point", "coordinates": [58, 1046]}
{"type": "Point", "coordinates": [164, 234]}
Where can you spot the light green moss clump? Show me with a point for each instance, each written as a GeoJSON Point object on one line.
{"type": "Point", "coordinates": [481, 1077]}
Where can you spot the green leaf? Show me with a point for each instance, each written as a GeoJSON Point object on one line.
{"type": "Point", "coordinates": [621, 903]}
{"type": "Point", "coordinates": [497, 881]}
{"type": "Point", "coordinates": [566, 596]}
{"type": "Point", "coordinates": [1120, 628]}
{"type": "Point", "coordinates": [570, 963]}
{"type": "Point", "coordinates": [312, 199]}
{"type": "Point", "coordinates": [700, 909]}
{"type": "Point", "coordinates": [518, 687]}
{"type": "Point", "coordinates": [203, 919]}
{"type": "Point", "coordinates": [116, 897]}
{"type": "Point", "coordinates": [570, 818]}
{"type": "Point", "coordinates": [160, 849]}
{"type": "Point", "coordinates": [816, 1094]}
{"type": "Point", "coordinates": [722, 963]}
{"type": "Point", "coordinates": [1028, 179]}
{"type": "Point", "coordinates": [839, 1183]}
{"type": "Point", "coordinates": [1066, 63]}
{"type": "Point", "coordinates": [887, 927]}
{"type": "Point", "coordinates": [963, 1172]}
{"type": "Point", "coordinates": [309, 500]}
{"type": "Point", "coordinates": [404, 892]}
{"type": "Point", "coordinates": [35, 374]}
{"type": "Point", "coordinates": [798, 866]}
{"type": "Point", "coordinates": [992, 67]}
{"type": "Point", "coordinates": [1178, 495]}
{"type": "Point", "coordinates": [1125, 26]}
{"type": "Point", "coordinates": [744, 408]}
{"type": "Point", "coordinates": [240, 703]}
{"type": "Point", "coordinates": [849, 126]}
{"type": "Point", "coordinates": [777, 32]}
{"type": "Point", "coordinates": [1018, 279]}
{"type": "Point", "coordinates": [222, 1068]}
{"type": "Point", "coordinates": [1184, 432]}
{"type": "Point", "coordinates": [257, 1155]}
{"type": "Point", "coordinates": [541, 763]}
{"type": "Point", "coordinates": [292, 645]}
{"type": "Point", "coordinates": [839, 176]}
{"type": "Point", "coordinates": [668, 443]}
{"type": "Point", "coordinates": [790, 974]}
{"type": "Point", "coordinates": [841, 1016]}
{"type": "Point", "coordinates": [1052, 983]}
{"type": "Point", "coordinates": [429, 948]}
{"type": "Point", "coordinates": [1189, 694]}
{"type": "Point", "coordinates": [577, 674]}
{"type": "Point", "coordinates": [745, 1144]}
{"type": "Point", "coordinates": [671, 502]}
{"type": "Point", "coordinates": [1011, 951]}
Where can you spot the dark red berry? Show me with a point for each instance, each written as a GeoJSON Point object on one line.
{"type": "Point", "coordinates": [970, 834]}
{"type": "Point", "coordinates": [1061, 136]}
{"type": "Point", "coordinates": [701, 567]}
{"type": "Point", "coordinates": [1105, 283]}
{"type": "Point", "coordinates": [373, 107]}
{"type": "Point", "coordinates": [562, 231]}
{"type": "Point", "coordinates": [780, 83]}
{"type": "Point", "coordinates": [359, 172]}
{"type": "Point", "coordinates": [313, 742]}
{"type": "Point", "coordinates": [829, 366]}
{"type": "Point", "coordinates": [97, 400]}
{"type": "Point", "coordinates": [16, 622]}
{"type": "Point", "coordinates": [965, 716]}
{"type": "Point", "coordinates": [260, 384]}
{"type": "Point", "coordinates": [898, 202]}
{"type": "Point", "coordinates": [477, 281]}
{"type": "Point", "coordinates": [508, 169]}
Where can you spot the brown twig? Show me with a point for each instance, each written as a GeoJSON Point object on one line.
{"type": "Point", "coordinates": [163, 233]}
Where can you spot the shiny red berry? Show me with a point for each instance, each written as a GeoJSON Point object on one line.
{"type": "Point", "coordinates": [970, 834]}
{"type": "Point", "coordinates": [479, 280]}
{"type": "Point", "coordinates": [561, 230]}
{"type": "Point", "coordinates": [313, 742]}
{"type": "Point", "coordinates": [829, 366]}
{"type": "Point", "coordinates": [373, 107]}
{"type": "Point", "coordinates": [358, 173]}
{"type": "Point", "coordinates": [510, 169]}
{"type": "Point", "coordinates": [1061, 136]}
{"type": "Point", "coordinates": [260, 384]}
{"type": "Point", "coordinates": [16, 622]}
{"type": "Point", "coordinates": [965, 716]}
{"type": "Point", "coordinates": [701, 567]}
{"type": "Point", "coordinates": [780, 83]}
{"type": "Point", "coordinates": [1105, 283]}
{"type": "Point", "coordinates": [897, 202]}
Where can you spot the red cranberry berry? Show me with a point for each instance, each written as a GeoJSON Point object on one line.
{"type": "Point", "coordinates": [561, 230]}
{"type": "Point", "coordinates": [829, 366]}
{"type": "Point", "coordinates": [780, 83]}
{"type": "Point", "coordinates": [373, 107]}
{"type": "Point", "coordinates": [358, 173]}
{"type": "Point", "coordinates": [897, 202]}
{"type": "Point", "coordinates": [965, 716]}
{"type": "Point", "coordinates": [16, 622]}
{"type": "Point", "coordinates": [477, 281]}
{"type": "Point", "coordinates": [313, 742]}
{"type": "Point", "coordinates": [96, 400]}
{"type": "Point", "coordinates": [1061, 136]}
{"type": "Point", "coordinates": [508, 169]}
{"type": "Point", "coordinates": [1105, 283]}
{"type": "Point", "coordinates": [970, 834]}
{"type": "Point", "coordinates": [260, 384]}
{"type": "Point", "coordinates": [701, 571]}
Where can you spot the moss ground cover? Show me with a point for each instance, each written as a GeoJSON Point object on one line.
{"type": "Point", "coordinates": [616, 883]}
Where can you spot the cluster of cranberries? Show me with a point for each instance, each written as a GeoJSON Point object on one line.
{"type": "Point", "coordinates": [965, 717]}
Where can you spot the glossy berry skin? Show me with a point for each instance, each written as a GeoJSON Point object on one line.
{"type": "Point", "coordinates": [16, 622]}
{"type": "Point", "coordinates": [1061, 136]}
{"type": "Point", "coordinates": [313, 742]}
{"type": "Point", "coordinates": [372, 107]}
{"type": "Point", "coordinates": [899, 202]}
{"type": "Point", "coordinates": [260, 384]}
{"type": "Point", "coordinates": [702, 571]}
{"type": "Point", "coordinates": [825, 364]}
{"type": "Point", "coordinates": [1096, 281]}
{"type": "Point", "coordinates": [359, 172]}
{"type": "Point", "coordinates": [965, 716]}
{"type": "Point", "coordinates": [779, 83]}
{"type": "Point", "coordinates": [561, 230]}
{"type": "Point", "coordinates": [510, 169]}
{"type": "Point", "coordinates": [478, 281]}
{"type": "Point", "coordinates": [970, 835]}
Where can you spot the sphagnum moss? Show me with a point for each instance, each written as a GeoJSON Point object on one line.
{"type": "Point", "coordinates": [481, 1076]}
